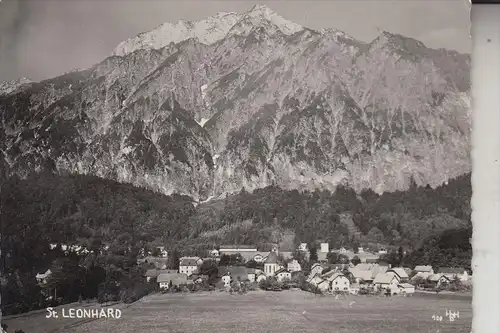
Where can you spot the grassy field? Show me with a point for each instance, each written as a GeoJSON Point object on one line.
{"type": "Point", "coordinates": [36, 321]}
{"type": "Point", "coordinates": [288, 311]}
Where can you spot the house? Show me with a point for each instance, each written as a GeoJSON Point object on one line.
{"type": "Point", "coordinates": [408, 271]}
{"type": "Point", "coordinates": [198, 260]}
{"type": "Point", "coordinates": [386, 281]}
{"type": "Point", "coordinates": [176, 279]}
{"type": "Point", "coordinates": [438, 279]}
{"type": "Point", "coordinates": [271, 264]}
{"type": "Point", "coordinates": [163, 252]}
{"type": "Point", "coordinates": [425, 271]}
{"type": "Point", "coordinates": [303, 247]}
{"type": "Point", "coordinates": [323, 252]}
{"type": "Point", "coordinates": [400, 272]}
{"type": "Point", "coordinates": [338, 281]}
{"type": "Point", "coordinates": [251, 274]}
{"type": "Point", "coordinates": [226, 279]}
{"type": "Point", "coordinates": [454, 273]}
{"type": "Point", "coordinates": [283, 274]}
{"type": "Point", "coordinates": [315, 280]}
{"type": "Point", "coordinates": [419, 277]}
{"type": "Point", "coordinates": [260, 276]}
{"type": "Point", "coordinates": [406, 288]}
{"type": "Point", "coordinates": [153, 273]}
{"type": "Point", "coordinates": [361, 276]}
{"type": "Point", "coordinates": [188, 266]}
{"type": "Point", "coordinates": [245, 251]}
{"type": "Point", "coordinates": [236, 273]}
{"type": "Point", "coordinates": [316, 269]}
{"type": "Point", "coordinates": [214, 253]}
{"type": "Point", "coordinates": [372, 260]}
{"type": "Point", "coordinates": [354, 289]}
{"type": "Point", "coordinates": [294, 266]}
{"type": "Point", "coordinates": [259, 257]}
{"type": "Point", "coordinates": [324, 285]}
{"type": "Point", "coordinates": [42, 278]}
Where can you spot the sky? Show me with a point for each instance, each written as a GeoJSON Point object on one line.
{"type": "Point", "coordinates": [40, 39]}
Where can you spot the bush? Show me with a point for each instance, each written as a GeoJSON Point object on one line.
{"type": "Point", "coordinates": [136, 292]}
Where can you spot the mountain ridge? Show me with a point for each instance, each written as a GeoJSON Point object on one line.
{"type": "Point", "coordinates": [299, 108]}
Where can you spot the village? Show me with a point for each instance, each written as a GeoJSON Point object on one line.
{"type": "Point", "coordinates": [360, 272]}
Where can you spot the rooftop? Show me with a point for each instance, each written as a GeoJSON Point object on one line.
{"type": "Point", "coordinates": [176, 278]}
{"type": "Point", "coordinates": [384, 278]}
{"type": "Point", "coordinates": [423, 268]}
{"type": "Point", "coordinates": [238, 247]}
{"type": "Point", "coordinates": [272, 258]}
{"type": "Point", "coordinates": [188, 262]}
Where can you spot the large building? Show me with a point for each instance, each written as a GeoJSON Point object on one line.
{"type": "Point", "coordinates": [233, 249]}
{"type": "Point", "coordinates": [271, 264]}
{"type": "Point", "coordinates": [188, 266]}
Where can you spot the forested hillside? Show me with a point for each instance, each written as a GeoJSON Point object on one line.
{"type": "Point", "coordinates": [94, 212]}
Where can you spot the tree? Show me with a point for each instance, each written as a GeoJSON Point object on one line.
{"type": "Point", "coordinates": [355, 260]}
{"type": "Point", "coordinates": [337, 258]}
{"type": "Point", "coordinates": [391, 258]}
{"type": "Point", "coordinates": [209, 268]}
{"type": "Point", "coordinates": [401, 255]}
{"type": "Point", "coordinates": [231, 260]}
{"type": "Point", "coordinates": [174, 259]}
{"type": "Point", "coordinates": [313, 253]}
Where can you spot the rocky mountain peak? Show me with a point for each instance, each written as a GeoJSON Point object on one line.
{"type": "Point", "coordinates": [259, 100]}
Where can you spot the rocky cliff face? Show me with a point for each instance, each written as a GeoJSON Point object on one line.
{"type": "Point", "coordinates": [246, 100]}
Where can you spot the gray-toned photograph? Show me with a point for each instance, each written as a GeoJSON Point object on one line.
{"type": "Point", "coordinates": [235, 166]}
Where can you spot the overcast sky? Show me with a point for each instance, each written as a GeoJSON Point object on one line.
{"type": "Point", "coordinates": [44, 38]}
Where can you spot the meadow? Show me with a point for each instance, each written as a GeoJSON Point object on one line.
{"type": "Point", "coordinates": [269, 312]}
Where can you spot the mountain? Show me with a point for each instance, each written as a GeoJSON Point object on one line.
{"type": "Point", "coordinates": [245, 101]}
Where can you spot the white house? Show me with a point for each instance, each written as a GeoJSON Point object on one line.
{"type": "Point", "coordinates": [424, 271]}
{"type": "Point", "coordinates": [163, 252]}
{"type": "Point", "coordinates": [258, 257]}
{"type": "Point", "coordinates": [386, 281]}
{"type": "Point", "coordinates": [271, 264]}
{"type": "Point", "coordinates": [188, 266]}
{"type": "Point", "coordinates": [315, 280]}
{"type": "Point", "coordinates": [154, 273]}
{"type": "Point", "coordinates": [214, 253]}
{"type": "Point", "coordinates": [406, 288]}
{"type": "Point", "coordinates": [439, 279]}
{"type": "Point", "coordinates": [198, 260]}
{"type": "Point", "coordinates": [400, 272]}
{"type": "Point", "coordinates": [235, 249]}
{"type": "Point", "coordinates": [294, 266]}
{"type": "Point", "coordinates": [316, 269]}
{"type": "Point", "coordinates": [283, 274]}
{"type": "Point", "coordinates": [454, 273]}
{"type": "Point", "coordinates": [302, 247]}
{"type": "Point", "coordinates": [323, 285]}
{"type": "Point", "coordinates": [260, 276]}
{"type": "Point", "coordinates": [226, 279]}
{"type": "Point", "coordinates": [338, 281]}
{"type": "Point", "coordinates": [165, 279]}
{"type": "Point", "coordinates": [42, 278]}
{"type": "Point", "coordinates": [382, 251]}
